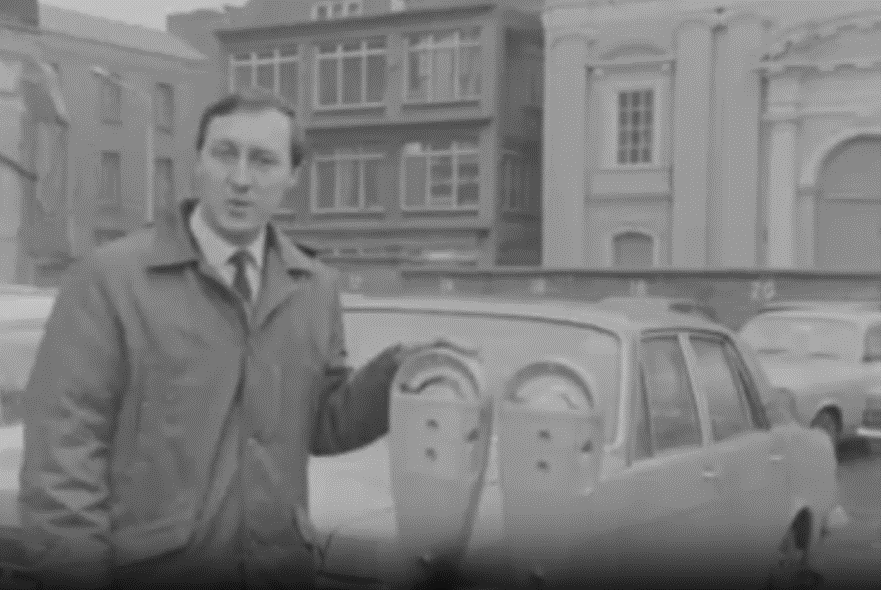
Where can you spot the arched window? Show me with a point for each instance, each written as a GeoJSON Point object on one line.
{"type": "Point", "coordinates": [633, 249]}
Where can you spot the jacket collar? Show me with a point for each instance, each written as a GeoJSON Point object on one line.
{"type": "Point", "coordinates": [174, 245]}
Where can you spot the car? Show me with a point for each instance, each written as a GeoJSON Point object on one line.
{"type": "Point", "coordinates": [829, 358]}
{"type": "Point", "coordinates": [559, 440]}
{"type": "Point", "coordinates": [659, 303]}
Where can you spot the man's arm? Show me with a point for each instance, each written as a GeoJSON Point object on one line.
{"type": "Point", "coordinates": [69, 413]}
{"type": "Point", "coordinates": [353, 406]}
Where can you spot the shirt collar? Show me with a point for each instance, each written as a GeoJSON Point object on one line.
{"type": "Point", "coordinates": [216, 249]}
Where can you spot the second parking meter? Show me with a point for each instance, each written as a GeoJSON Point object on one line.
{"type": "Point", "coordinates": [551, 440]}
{"type": "Point", "coordinates": [440, 427]}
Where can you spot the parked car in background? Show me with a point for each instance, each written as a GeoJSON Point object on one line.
{"type": "Point", "coordinates": [662, 304]}
{"type": "Point", "coordinates": [562, 440]}
{"type": "Point", "coordinates": [828, 358]}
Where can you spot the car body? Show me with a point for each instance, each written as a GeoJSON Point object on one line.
{"type": "Point", "coordinates": [635, 497]}
{"type": "Point", "coordinates": [662, 304]}
{"type": "Point", "coordinates": [829, 358]}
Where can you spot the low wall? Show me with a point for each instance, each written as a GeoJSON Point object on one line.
{"type": "Point", "coordinates": [736, 294]}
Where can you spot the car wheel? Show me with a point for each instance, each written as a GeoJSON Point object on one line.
{"type": "Point", "coordinates": [827, 422]}
{"type": "Point", "coordinates": [791, 568]}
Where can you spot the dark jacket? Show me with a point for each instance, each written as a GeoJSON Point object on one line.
{"type": "Point", "coordinates": [141, 360]}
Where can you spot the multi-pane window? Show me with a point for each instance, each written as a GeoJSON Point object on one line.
{"type": "Point", "coordinates": [636, 127]}
{"type": "Point", "coordinates": [443, 66]}
{"type": "Point", "coordinates": [346, 180]}
{"type": "Point", "coordinates": [633, 249]}
{"type": "Point", "coordinates": [111, 99]}
{"type": "Point", "coordinates": [163, 184]}
{"type": "Point", "coordinates": [515, 181]}
{"type": "Point", "coordinates": [276, 69]}
{"type": "Point", "coordinates": [351, 73]}
{"type": "Point", "coordinates": [111, 178]}
{"type": "Point", "coordinates": [332, 9]}
{"type": "Point", "coordinates": [443, 175]}
{"type": "Point", "coordinates": [164, 109]}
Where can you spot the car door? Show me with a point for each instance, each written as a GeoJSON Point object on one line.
{"type": "Point", "coordinates": [676, 506]}
{"type": "Point", "coordinates": [751, 455]}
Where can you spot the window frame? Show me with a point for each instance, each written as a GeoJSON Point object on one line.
{"type": "Point", "coordinates": [632, 229]}
{"type": "Point", "coordinates": [102, 199]}
{"type": "Point", "coordinates": [433, 45]}
{"type": "Point", "coordinates": [363, 53]}
{"type": "Point", "coordinates": [111, 111]}
{"type": "Point", "coordinates": [157, 166]}
{"type": "Point", "coordinates": [741, 386]}
{"type": "Point", "coordinates": [328, 6]}
{"type": "Point", "coordinates": [165, 92]}
{"type": "Point", "coordinates": [641, 398]}
{"type": "Point", "coordinates": [277, 59]}
{"type": "Point", "coordinates": [526, 179]}
{"type": "Point", "coordinates": [611, 91]}
{"type": "Point", "coordinates": [864, 357]}
{"type": "Point", "coordinates": [360, 154]}
{"type": "Point", "coordinates": [455, 151]}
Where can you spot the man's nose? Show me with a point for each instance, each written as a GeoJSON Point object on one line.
{"type": "Point", "coordinates": [240, 176]}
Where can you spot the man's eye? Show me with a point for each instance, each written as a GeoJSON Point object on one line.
{"type": "Point", "coordinates": [266, 160]}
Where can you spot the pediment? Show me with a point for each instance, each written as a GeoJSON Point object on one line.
{"type": "Point", "coordinates": [855, 36]}
{"type": "Point", "coordinates": [630, 50]}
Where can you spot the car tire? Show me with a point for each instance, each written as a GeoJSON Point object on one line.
{"type": "Point", "coordinates": [791, 568]}
{"type": "Point", "coordinates": [828, 422]}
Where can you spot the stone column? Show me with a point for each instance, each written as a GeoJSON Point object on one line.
{"type": "Point", "coordinates": [564, 137]}
{"type": "Point", "coordinates": [782, 171]}
{"type": "Point", "coordinates": [693, 94]}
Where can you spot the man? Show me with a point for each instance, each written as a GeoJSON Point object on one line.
{"type": "Point", "coordinates": [186, 374]}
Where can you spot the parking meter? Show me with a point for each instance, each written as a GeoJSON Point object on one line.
{"type": "Point", "coordinates": [440, 428]}
{"type": "Point", "coordinates": [550, 435]}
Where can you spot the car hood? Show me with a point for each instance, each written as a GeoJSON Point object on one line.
{"type": "Point", "coordinates": [798, 373]}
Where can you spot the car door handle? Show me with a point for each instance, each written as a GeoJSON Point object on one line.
{"type": "Point", "coordinates": [709, 474]}
{"type": "Point", "coordinates": [776, 458]}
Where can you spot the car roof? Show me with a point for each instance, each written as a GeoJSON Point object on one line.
{"type": "Point", "coordinates": [609, 318]}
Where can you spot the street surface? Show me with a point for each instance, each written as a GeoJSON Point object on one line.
{"type": "Point", "coordinates": [853, 554]}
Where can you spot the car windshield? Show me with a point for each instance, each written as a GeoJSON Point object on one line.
{"type": "Point", "coordinates": [505, 344]}
{"type": "Point", "coordinates": [803, 336]}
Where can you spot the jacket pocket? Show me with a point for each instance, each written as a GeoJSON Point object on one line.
{"type": "Point", "coordinates": [150, 540]}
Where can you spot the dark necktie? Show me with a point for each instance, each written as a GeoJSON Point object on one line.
{"type": "Point", "coordinates": [240, 281]}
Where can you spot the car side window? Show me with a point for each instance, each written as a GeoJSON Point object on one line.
{"type": "Point", "coordinates": [750, 387]}
{"type": "Point", "coordinates": [721, 385]}
{"type": "Point", "coordinates": [672, 418]}
{"type": "Point", "coordinates": [872, 352]}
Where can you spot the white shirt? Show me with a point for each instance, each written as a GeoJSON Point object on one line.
{"type": "Point", "coordinates": [217, 252]}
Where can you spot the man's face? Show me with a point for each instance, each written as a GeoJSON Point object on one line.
{"type": "Point", "coordinates": [243, 171]}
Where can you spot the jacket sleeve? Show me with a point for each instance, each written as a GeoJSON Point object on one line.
{"type": "Point", "coordinates": [69, 414]}
{"type": "Point", "coordinates": [353, 406]}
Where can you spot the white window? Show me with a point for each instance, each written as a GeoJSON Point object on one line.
{"type": "Point", "coordinates": [111, 178]}
{"type": "Point", "coordinates": [332, 9]}
{"type": "Point", "coordinates": [634, 123]}
{"type": "Point", "coordinates": [276, 69]}
{"type": "Point", "coordinates": [443, 66]}
{"type": "Point", "coordinates": [636, 126]}
{"type": "Point", "coordinates": [441, 175]}
{"type": "Point", "coordinates": [346, 180]}
{"type": "Point", "coordinates": [163, 185]}
{"type": "Point", "coordinates": [633, 249]}
{"type": "Point", "coordinates": [351, 73]}
{"type": "Point", "coordinates": [164, 107]}
{"type": "Point", "coordinates": [111, 99]}
{"type": "Point", "coordinates": [515, 181]}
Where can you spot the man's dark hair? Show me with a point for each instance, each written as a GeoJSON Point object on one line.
{"type": "Point", "coordinates": [254, 99]}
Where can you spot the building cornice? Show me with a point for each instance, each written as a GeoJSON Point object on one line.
{"type": "Point", "coordinates": [777, 68]}
{"type": "Point", "coordinates": [565, 21]}
{"type": "Point", "coordinates": [813, 31]}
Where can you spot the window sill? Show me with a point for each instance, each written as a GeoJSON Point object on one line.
{"type": "Point", "coordinates": [633, 168]}
{"type": "Point", "coordinates": [348, 108]}
{"type": "Point", "coordinates": [348, 212]}
{"type": "Point", "coordinates": [117, 122]}
{"type": "Point", "coordinates": [520, 214]}
{"type": "Point", "coordinates": [429, 104]}
{"type": "Point", "coordinates": [436, 210]}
